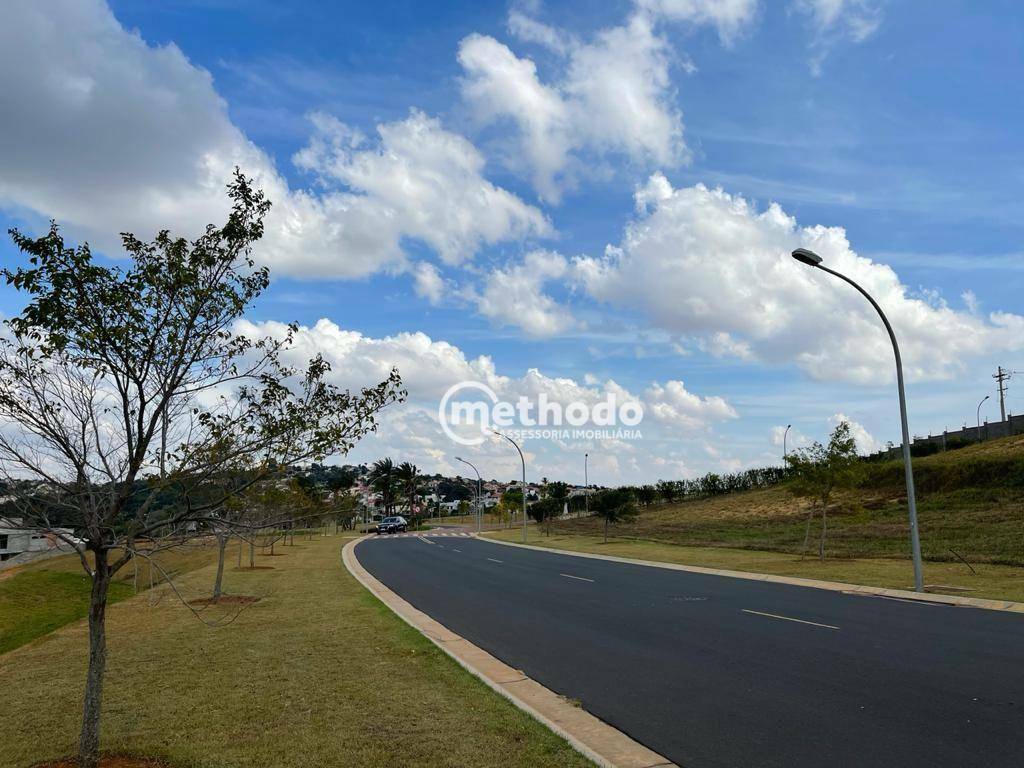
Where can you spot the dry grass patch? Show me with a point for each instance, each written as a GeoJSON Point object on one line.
{"type": "Point", "coordinates": [318, 673]}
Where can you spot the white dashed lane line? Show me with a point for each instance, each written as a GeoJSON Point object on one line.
{"type": "Point", "coordinates": [578, 578]}
{"type": "Point", "coordinates": [788, 618]}
{"type": "Point", "coordinates": [493, 560]}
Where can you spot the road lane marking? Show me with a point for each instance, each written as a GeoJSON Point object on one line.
{"type": "Point", "coordinates": [426, 540]}
{"type": "Point", "coordinates": [578, 578]}
{"type": "Point", "coordinates": [456, 550]}
{"type": "Point", "coordinates": [788, 618]}
{"type": "Point", "coordinates": [494, 561]}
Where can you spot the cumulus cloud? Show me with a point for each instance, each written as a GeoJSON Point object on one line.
{"type": "Point", "coordinates": [701, 263]}
{"type": "Point", "coordinates": [613, 96]}
{"type": "Point", "coordinates": [419, 181]}
{"type": "Point", "coordinates": [672, 404]}
{"type": "Point", "coordinates": [429, 367]}
{"type": "Point", "coordinates": [866, 443]}
{"type": "Point", "coordinates": [107, 133]}
{"type": "Point", "coordinates": [514, 295]}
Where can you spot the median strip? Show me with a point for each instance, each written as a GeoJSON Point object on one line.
{"type": "Point", "coordinates": [578, 578]}
{"type": "Point", "coordinates": [788, 618]}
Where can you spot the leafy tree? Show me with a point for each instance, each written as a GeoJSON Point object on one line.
{"type": "Point", "coordinates": [407, 477]}
{"type": "Point", "coordinates": [613, 506]}
{"type": "Point", "coordinates": [646, 495]}
{"type": "Point", "coordinates": [819, 470]}
{"type": "Point", "coordinates": [668, 491]}
{"type": "Point", "coordinates": [511, 503]}
{"type": "Point", "coordinates": [113, 376]}
{"type": "Point", "coordinates": [383, 480]}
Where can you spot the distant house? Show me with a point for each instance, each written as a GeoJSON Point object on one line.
{"type": "Point", "coordinates": [16, 539]}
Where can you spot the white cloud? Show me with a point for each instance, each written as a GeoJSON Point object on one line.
{"type": "Point", "coordinates": [425, 181]}
{"type": "Point", "coordinates": [866, 443]}
{"type": "Point", "coordinates": [614, 96]}
{"type": "Point", "coordinates": [832, 21]}
{"type": "Point", "coordinates": [672, 404]}
{"type": "Point", "coordinates": [795, 438]}
{"type": "Point", "coordinates": [729, 17]}
{"type": "Point", "coordinates": [701, 263]}
{"type": "Point", "coordinates": [514, 295]}
{"type": "Point", "coordinates": [107, 134]}
{"type": "Point", "coordinates": [429, 367]}
{"type": "Point", "coordinates": [428, 283]}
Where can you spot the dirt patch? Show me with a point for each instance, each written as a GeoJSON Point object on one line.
{"type": "Point", "coordinates": [109, 761]}
{"type": "Point", "coordinates": [225, 600]}
{"type": "Point", "coordinates": [253, 568]}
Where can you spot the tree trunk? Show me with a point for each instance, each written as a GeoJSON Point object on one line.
{"type": "Point", "coordinates": [252, 553]}
{"type": "Point", "coordinates": [807, 532]}
{"type": "Point", "coordinates": [824, 530]}
{"type": "Point", "coordinates": [89, 739]}
{"type": "Point", "coordinates": [606, 530]}
{"type": "Point", "coordinates": [222, 548]}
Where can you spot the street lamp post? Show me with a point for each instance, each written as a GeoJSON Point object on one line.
{"type": "Point", "coordinates": [478, 509]}
{"type": "Point", "coordinates": [979, 414]}
{"type": "Point", "coordinates": [811, 259]}
{"type": "Point", "coordinates": [785, 434]}
{"type": "Point", "coordinates": [586, 486]}
{"type": "Point", "coordinates": [523, 460]}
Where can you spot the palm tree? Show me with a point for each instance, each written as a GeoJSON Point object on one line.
{"type": "Point", "coordinates": [382, 479]}
{"type": "Point", "coordinates": [408, 479]}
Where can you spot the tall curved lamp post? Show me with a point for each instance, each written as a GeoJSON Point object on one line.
{"type": "Point", "coordinates": [479, 510]}
{"type": "Point", "coordinates": [785, 434]}
{"type": "Point", "coordinates": [811, 259]}
{"type": "Point", "coordinates": [523, 460]}
{"type": "Point", "coordinates": [586, 486]}
{"type": "Point", "coordinates": [979, 414]}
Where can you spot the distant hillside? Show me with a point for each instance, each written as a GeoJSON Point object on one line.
{"type": "Point", "coordinates": [970, 500]}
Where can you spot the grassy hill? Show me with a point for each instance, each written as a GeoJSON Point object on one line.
{"type": "Point", "coordinates": [970, 501]}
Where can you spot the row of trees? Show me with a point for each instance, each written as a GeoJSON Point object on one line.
{"type": "Point", "coordinates": [134, 411]}
{"type": "Point", "coordinates": [711, 484]}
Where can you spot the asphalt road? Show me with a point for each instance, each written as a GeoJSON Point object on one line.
{"type": "Point", "coordinates": [716, 671]}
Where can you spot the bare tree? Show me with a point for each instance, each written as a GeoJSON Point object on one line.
{"type": "Point", "coordinates": [102, 361]}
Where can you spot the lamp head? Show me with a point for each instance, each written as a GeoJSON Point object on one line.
{"type": "Point", "coordinates": [810, 258]}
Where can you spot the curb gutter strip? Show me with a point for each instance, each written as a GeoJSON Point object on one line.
{"type": "Point", "coordinates": [593, 738]}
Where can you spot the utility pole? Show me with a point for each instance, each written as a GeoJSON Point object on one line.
{"type": "Point", "coordinates": [1002, 376]}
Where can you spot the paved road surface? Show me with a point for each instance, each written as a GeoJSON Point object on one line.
{"type": "Point", "coordinates": [715, 671]}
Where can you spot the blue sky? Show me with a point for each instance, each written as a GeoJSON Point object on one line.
{"type": "Point", "coordinates": [897, 130]}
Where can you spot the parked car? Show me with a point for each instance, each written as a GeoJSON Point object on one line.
{"type": "Point", "coordinates": [392, 525]}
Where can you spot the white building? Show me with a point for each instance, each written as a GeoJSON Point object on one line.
{"type": "Point", "coordinates": [15, 539]}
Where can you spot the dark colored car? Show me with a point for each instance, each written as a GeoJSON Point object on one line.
{"type": "Point", "coordinates": [392, 525]}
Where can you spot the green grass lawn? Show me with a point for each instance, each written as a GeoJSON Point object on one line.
{"type": "Point", "coordinates": [970, 503]}
{"type": "Point", "coordinates": [39, 597]}
{"type": "Point", "coordinates": [38, 602]}
{"type": "Point", "coordinates": [317, 673]}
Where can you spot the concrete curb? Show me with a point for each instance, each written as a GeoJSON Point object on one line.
{"type": "Point", "coordinates": [834, 586]}
{"type": "Point", "coordinates": [591, 737]}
